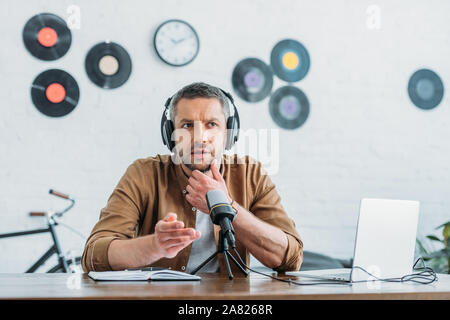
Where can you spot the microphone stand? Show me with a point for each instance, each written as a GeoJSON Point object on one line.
{"type": "Point", "coordinates": [223, 248]}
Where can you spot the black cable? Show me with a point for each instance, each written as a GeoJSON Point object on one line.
{"type": "Point", "coordinates": [426, 276]}
{"type": "Point", "coordinates": [290, 281]}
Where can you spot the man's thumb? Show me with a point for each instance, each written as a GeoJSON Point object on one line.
{"type": "Point", "coordinates": [171, 216]}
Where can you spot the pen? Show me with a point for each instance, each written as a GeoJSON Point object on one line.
{"type": "Point", "coordinates": [146, 269]}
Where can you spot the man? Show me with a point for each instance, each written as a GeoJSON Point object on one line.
{"type": "Point", "coordinates": [158, 216]}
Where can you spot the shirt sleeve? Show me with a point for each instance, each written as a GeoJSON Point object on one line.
{"type": "Point", "coordinates": [119, 219]}
{"type": "Point", "coordinates": [266, 205]}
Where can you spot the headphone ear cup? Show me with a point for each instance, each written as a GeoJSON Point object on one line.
{"type": "Point", "coordinates": [163, 128]}
{"type": "Point", "coordinates": [232, 132]}
{"type": "Point", "coordinates": [169, 132]}
{"type": "Point", "coordinates": [166, 131]}
{"type": "Point", "coordinates": [236, 125]}
{"type": "Point", "coordinates": [167, 127]}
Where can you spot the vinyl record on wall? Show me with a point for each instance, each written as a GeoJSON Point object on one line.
{"type": "Point", "coordinates": [108, 65]}
{"type": "Point", "coordinates": [55, 93]}
{"type": "Point", "coordinates": [47, 37]}
{"type": "Point", "coordinates": [425, 89]}
{"type": "Point", "coordinates": [289, 107]}
{"type": "Point", "coordinates": [252, 79]}
{"type": "Point", "coordinates": [290, 60]}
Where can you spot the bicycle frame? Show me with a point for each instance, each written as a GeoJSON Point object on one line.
{"type": "Point", "coordinates": [51, 224]}
{"type": "Point", "coordinates": [55, 248]}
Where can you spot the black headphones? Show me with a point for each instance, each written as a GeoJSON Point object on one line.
{"type": "Point", "coordinates": [233, 125]}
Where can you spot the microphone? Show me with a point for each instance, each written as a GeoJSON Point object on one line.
{"type": "Point", "coordinates": [221, 213]}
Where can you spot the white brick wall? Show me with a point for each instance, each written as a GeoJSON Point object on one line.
{"type": "Point", "coordinates": [364, 138]}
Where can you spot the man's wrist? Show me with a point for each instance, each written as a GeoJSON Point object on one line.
{"type": "Point", "coordinates": [153, 251]}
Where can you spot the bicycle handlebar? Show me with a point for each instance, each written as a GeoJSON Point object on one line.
{"type": "Point", "coordinates": [57, 214]}
{"type": "Point", "coordinates": [58, 194]}
{"type": "Point", "coordinates": [37, 214]}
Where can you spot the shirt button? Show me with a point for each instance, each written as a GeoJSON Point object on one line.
{"type": "Point", "coordinates": [184, 191]}
{"type": "Point", "coordinates": [193, 209]}
{"type": "Point", "coordinates": [183, 268]}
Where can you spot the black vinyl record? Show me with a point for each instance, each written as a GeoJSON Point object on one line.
{"type": "Point", "coordinates": [425, 89]}
{"type": "Point", "coordinates": [252, 80]}
{"type": "Point", "coordinates": [47, 37]}
{"type": "Point", "coordinates": [289, 107]}
{"type": "Point", "coordinates": [55, 93]}
{"type": "Point", "coordinates": [290, 60]}
{"type": "Point", "coordinates": [108, 65]}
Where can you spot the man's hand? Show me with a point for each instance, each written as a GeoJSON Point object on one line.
{"type": "Point", "coordinates": [200, 184]}
{"type": "Point", "coordinates": [171, 236]}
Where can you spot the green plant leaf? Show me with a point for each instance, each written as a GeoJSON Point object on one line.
{"type": "Point", "coordinates": [421, 247]}
{"type": "Point", "coordinates": [434, 238]}
{"type": "Point", "coordinates": [447, 224]}
{"type": "Point", "coordinates": [439, 254]}
{"type": "Point", "coordinates": [446, 233]}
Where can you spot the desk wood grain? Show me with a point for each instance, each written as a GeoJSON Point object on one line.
{"type": "Point", "coordinates": [211, 287]}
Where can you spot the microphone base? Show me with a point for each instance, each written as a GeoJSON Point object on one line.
{"type": "Point", "coordinates": [223, 248]}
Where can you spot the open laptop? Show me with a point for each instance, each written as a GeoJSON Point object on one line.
{"type": "Point", "coordinates": [384, 244]}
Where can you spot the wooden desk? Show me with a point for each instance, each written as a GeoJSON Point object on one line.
{"type": "Point", "coordinates": [212, 286]}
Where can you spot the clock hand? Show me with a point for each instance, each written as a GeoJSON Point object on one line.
{"type": "Point", "coordinates": [180, 40]}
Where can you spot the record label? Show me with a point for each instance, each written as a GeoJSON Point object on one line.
{"type": "Point", "coordinates": [55, 93]}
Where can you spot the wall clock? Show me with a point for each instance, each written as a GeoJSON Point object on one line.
{"type": "Point", "coordinates": [176, 42]}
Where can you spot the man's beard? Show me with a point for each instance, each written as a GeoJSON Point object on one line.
{"type": "Point", "coordinates": [193, 167]}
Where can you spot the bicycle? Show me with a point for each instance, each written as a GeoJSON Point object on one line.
{"type": "Point", "coordinates": [65, 264]}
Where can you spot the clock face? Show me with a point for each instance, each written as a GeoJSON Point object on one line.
{"type": "Point", "coordinates": [176, 42]}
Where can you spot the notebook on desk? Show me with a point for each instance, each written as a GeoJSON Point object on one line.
{"type": "Point", "coordinates": [142, 275]}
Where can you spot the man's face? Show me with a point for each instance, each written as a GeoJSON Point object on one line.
{"type": "Point", "coordinates": [200, 132]}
